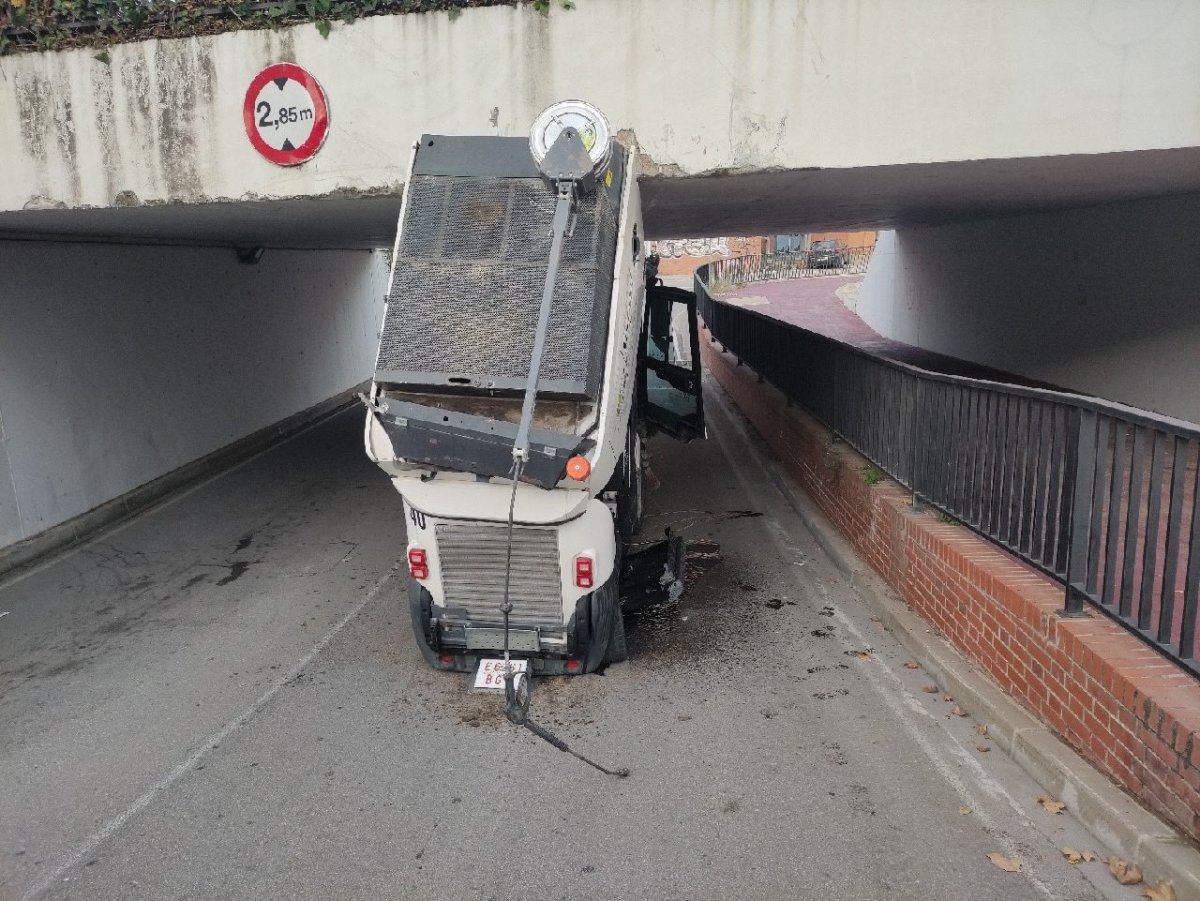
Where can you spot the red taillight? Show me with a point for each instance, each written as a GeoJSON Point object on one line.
{"type": "Point", "coordinates": [447, 659]}
{"type": "Point", "coordinates": [572, 665]}
{"type": "Point", "coordinates": [583, 572]}
{"type": "Point", "coordinates": [418, 564]}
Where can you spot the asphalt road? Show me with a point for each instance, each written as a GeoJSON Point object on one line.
{"type": "Point", "coordinates": [222, 699]}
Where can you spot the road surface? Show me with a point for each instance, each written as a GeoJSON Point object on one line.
{"type": "Point", "coordinates": [221, 699]}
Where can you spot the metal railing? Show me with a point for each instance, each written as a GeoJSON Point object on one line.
{"type": "Point", "coordinates": [1102, 497]}
{"type": "Point", "coordinates": [800, 264]}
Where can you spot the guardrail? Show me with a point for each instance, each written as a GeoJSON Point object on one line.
{"type": "Point", "coordinates": [1103, 497]}
{"type": "Point", "coordinates": [800, 264]}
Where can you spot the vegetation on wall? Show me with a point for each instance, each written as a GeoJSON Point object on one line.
{"type": "Point", "coordinates": [32, 25]}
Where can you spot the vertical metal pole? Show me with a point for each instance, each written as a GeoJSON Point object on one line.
{"type": "Point", "coordinates": [1085, 474]}
{"type": "Point", "coordinates": [558, 231]}
{"type": "Point", "coordinates": [913, 431]}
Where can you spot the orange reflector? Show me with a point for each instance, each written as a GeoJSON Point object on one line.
{"type": "Point", "coordinates": [579, 468]}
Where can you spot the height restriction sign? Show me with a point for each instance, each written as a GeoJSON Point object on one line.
{"type": "Point", "coordinates": [286, 114]}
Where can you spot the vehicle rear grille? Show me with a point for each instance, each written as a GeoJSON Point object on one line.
{"type": "Point", "coordinates": [472, 558]}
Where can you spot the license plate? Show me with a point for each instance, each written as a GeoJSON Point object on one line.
{"type": "Point", "coordinates": [491, 672]}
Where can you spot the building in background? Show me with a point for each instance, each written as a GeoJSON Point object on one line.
{"type": "Point", "coordinates": [683, 256]}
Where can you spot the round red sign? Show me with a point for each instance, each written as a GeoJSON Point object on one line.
{"type": "Point", "coordinates": [286, 114]}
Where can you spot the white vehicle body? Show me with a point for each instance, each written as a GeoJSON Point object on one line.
{"type": "Point", "coordinates": [458, 519]}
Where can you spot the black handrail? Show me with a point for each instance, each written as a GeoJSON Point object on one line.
{"type": "Point", "coordinates": [1101, 496]}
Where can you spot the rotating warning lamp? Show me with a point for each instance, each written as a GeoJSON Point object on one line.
{"type": "Point", "coordinates": [583, 118]}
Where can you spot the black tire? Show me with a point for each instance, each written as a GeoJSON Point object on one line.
{"type": "Point", "coordinates": [419, 602]}
{"type": "Point", "coordinates": [606, 632]}
{"type": "Point", "coordinates": [617, 650]}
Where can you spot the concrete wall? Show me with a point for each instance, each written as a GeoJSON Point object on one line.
{"type": "Point", "coordinates": [707, 85]}
{"type": "Point", "coordinates": [121, 363]}
{"type": "Point", "coordinates": [1104, 300]}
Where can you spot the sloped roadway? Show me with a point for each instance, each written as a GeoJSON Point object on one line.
{"type": "Point", "coordinates": [222, 700]}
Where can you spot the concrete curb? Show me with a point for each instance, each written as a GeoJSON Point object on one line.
{"type": "Point", "coordinates": [19, 557]}
{"type": "Point", "coordinates": [1104, 809]}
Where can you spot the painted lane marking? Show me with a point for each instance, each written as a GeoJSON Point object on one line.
{"type": "Point", "coordinates": [97, 838]}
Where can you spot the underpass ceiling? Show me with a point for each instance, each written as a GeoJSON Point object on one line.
{"type": "Point", "coordinates": [783, 202]}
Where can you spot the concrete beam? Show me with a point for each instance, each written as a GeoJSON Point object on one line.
{"type": "Point", "coordinates": [709, 87]}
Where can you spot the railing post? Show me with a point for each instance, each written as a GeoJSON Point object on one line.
{"type": "Point", "coordinates": [914, 452]}
{"type": "Point", "coordinates": [1081, 506]}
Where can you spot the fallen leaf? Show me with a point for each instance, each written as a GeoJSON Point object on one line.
{"type": "Point", "coordinates": [863, 656]}
{"type": "Point", "coordinates": [930, 689]}
{"type": "Point", "coordinates": [1088, 856]}
{"type": "Point", "coordinates": [964, 810]}
{"type": "Point", "coordinates": [1164, 891]}
{"type": "Point", "coordinates": [1051, 805]}
{"type": "Point", "coordinates": [911, 664]}
{"type": "Point", "coordinates": [1071, 855]}
{"type": "Point", "coordinates": [947, 697]}
{"type": "Point", "coordinates": [982, 749]}
{"type": "Point", "coordinates": [875, 619]}
{"type": "Point", "coordinates": [982, 729]}
{"type": "Point", "coordinates": [1124, 872]}
{"type": "Point", "coordinates": [1007, 864]}
{"type": "Point", "coordinates": [958, 711]}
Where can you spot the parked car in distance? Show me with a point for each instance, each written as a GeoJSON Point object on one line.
{"type": "Point", "coordinates": [827, 255]}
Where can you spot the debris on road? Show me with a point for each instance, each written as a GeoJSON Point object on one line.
{"type": "Point", "coordinates": [930, 689]}
{"type": "Point", "coordinates": [981, 729]}
{"type": "Point", "coordinates": [1007, 864]}
{"type": "Point", "coordinates": [983, 749]}
{"type": "Point", "coordinates": [1124, 872]}
{"type": "Point", "coordinates": [911, 664]}
{"type": "Point", "coordinates": [1051, 804]}
{"type": "Point", "coordinates": [958, 711]}
{"type": "Point", "coordinates": [964, 810]}
{"type": "Point", "coordinates": [1074, 856]}
{"type": "Point", "coordinates": [1164, 891]}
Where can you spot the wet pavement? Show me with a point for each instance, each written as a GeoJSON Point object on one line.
{"type": "Point", "coordinates": [222, 699]}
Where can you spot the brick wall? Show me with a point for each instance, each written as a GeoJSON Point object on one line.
{"type": "Point", "coordinates": [1119, 703]}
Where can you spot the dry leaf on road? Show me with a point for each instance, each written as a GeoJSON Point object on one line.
{"type": "Point", "coordinates": [911, 664]}
{"type": "Point", "coordinates": [1071, 855]}
{"type": "Point", "coordinates": [1124, 872]}
{"type": "Point", "coordinates": [982, 730]}
{"type": "Point", "coordinates": [964, 810]}
{"type": "Point", "coordinates": [1007, 864]}
{"type": "Point", "coordinates": [930, 689]}
{"type": "Point", "coordinates": [947, 697]}
{"type": "Point", "coordinates": [1051, 805]}
{"type": "Point", "coordinates": [958, 711]}
{"type": "Point", "coordinates": [863, 656]}
{"type": "Point", "coordinates": [983, 749]}
{"type": "Point", "coordinates": [1164, 891]}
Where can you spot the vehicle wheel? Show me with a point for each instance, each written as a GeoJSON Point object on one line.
{"type": "Point", "coordinates": [419, 602]}
{"type": "Point", "coordinates": [617, 650]}
{"type": "Point", "coordinates": [606, 632]}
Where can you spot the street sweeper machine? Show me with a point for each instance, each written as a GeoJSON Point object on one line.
{"type": "Point", "coordinates": [527, 351]}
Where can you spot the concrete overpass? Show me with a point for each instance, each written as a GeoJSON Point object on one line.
{"type": "Point", "coordinates": [122, 360]}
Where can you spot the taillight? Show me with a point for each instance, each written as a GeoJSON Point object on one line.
{"type": "Point", "coordinates": [572, 665]}
{"type": "Point", "coordinates": [584, 572]}
{"type": "Point", "coordinates": [418, 563]}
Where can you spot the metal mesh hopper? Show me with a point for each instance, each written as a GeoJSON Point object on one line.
{"type": "Point", "coordinates": [468, 277]}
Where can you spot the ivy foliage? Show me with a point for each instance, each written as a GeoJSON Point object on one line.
{"type": "Point", "coordinates": [33, 25]}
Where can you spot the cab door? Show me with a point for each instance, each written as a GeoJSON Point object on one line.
{"type": "Point", "coordinates": [669, 387]}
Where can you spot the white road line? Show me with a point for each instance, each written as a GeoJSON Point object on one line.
{"type": "Point", "coordinates": [896, 697]}
{"type": "Point", "coordinates": [93, 841]}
